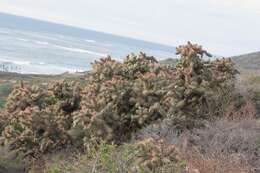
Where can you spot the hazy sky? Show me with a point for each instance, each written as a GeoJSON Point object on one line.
{"type": "Point", "coordinates": [224, 27]}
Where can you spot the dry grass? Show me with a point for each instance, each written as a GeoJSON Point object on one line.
{"type": "Point", "coordinates": [224, 146]}
{"type": "Point", "coordinates": [248, 84]}
{"type": "Point", "coordinates": [215, 163]}
{"type": "Point", "coordinates": [246, 111]}
{"type": "Point", "coordinates": [162, 129]}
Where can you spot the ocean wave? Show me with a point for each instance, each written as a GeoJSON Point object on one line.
{"type": "Point", "coordinates": [15, 62]}
{"type": "Point", "coordinates": [35, 35]}
{"type": "Point", "coordinates": [22, 39]}
{"type": "Point", "coordinates": [4, 32]}
{"type": "Point", "coordinates": [22, 62]}
{"type": "Point", "coordinates": [90, 41]}
{"type": "Point", "coordinates": [81, 51]}
{"type": "Point", "coordinates": [42, 63]}
{"type": "Point", "coordinates": [42, 42]}
{"type": "Point", "coordinates": [49, 69]}
{"type": "Point", "coordinates": [27, 67]}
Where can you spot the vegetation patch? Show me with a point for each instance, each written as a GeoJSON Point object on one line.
{"type": "Point", "coordinates": [5, 90]}
{"type": "Point", "coordinates": [147, 156]}
{"type": "Point", "coordinates": [224, 144]}
{"type": "Point", "coordinates": [116, 100]}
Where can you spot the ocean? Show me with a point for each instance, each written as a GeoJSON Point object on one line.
{"type": "Point", "coordinates": [31, 46]}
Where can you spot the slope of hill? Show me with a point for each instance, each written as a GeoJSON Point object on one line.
{"type": "Point", "coordinates": [249, 61]}
{"type": "Point", "coordinates": [169, 61]}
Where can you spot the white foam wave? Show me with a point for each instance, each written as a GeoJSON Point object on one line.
{"type": "Point", "coordinates": [4, 32]}
{"type": "Point", "coordinates": [22, 39]}
{"type": "Point", "coordinates": [81, 51]}
{"type": "Point", "coordinates": [22, 62]}
{"type": "Point", "coordinates": [15, 62]}
{"type": "Point", "coordinates": [42, 42]}
{"type": "Point", "coordinates": [26, 67]}
{"type": "Point", "coordinates": [42, 63]}
{"type": "Point", "coordinates": [90, 41]}
{"type": "Point", "coordinates": [49, 69]}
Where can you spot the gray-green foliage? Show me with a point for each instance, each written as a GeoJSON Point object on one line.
{"type": "Point", "coordinates": [5, 90]}
{"type": "Point", "coordinates": [147, 156]}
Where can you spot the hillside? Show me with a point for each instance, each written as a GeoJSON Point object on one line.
{"type": "Point", "coordinates": [249, 61]}
{"type": "Point", "coordinates": [168, 61]}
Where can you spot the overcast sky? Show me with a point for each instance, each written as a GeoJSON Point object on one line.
{"type": "Point", "coordinates": [224, 27]}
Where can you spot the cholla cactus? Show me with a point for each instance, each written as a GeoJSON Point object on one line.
{"type": "Point", "coordinates": [106, 69]}
{"type": "Point", "coordinates": [122, 99]}
{"type": "Point", "coordinates": [38, 117]}
{"type": "Point", "coordinates": [117, 99]}
{"type": "Point", "coordinates": [35, 131]}
{"type": "Point", "coordinates": [154, 154]}
{"type": "Point", "coordinates": [223, 70]}
{"type": "Point", "coordinates": [138, 64]}
{"type": "Point", "coordinates": [196, 84]}
{"type": "Point", "coordinates": [25, 96]}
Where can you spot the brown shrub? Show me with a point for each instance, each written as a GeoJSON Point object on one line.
{"type": "Point", "coordinates": [245, 111]}
{"type": "Point", "coordinates": [224, 144]}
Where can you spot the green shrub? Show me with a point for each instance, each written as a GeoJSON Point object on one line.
{"type": "Point", "coordinates": [148, 156]}
{"type": "Point", "coordinates": [10, 161]}
{"type": "Point", "coordinates": [254, 80]}
{"type": "Point", "coordinates": [5, 90]}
